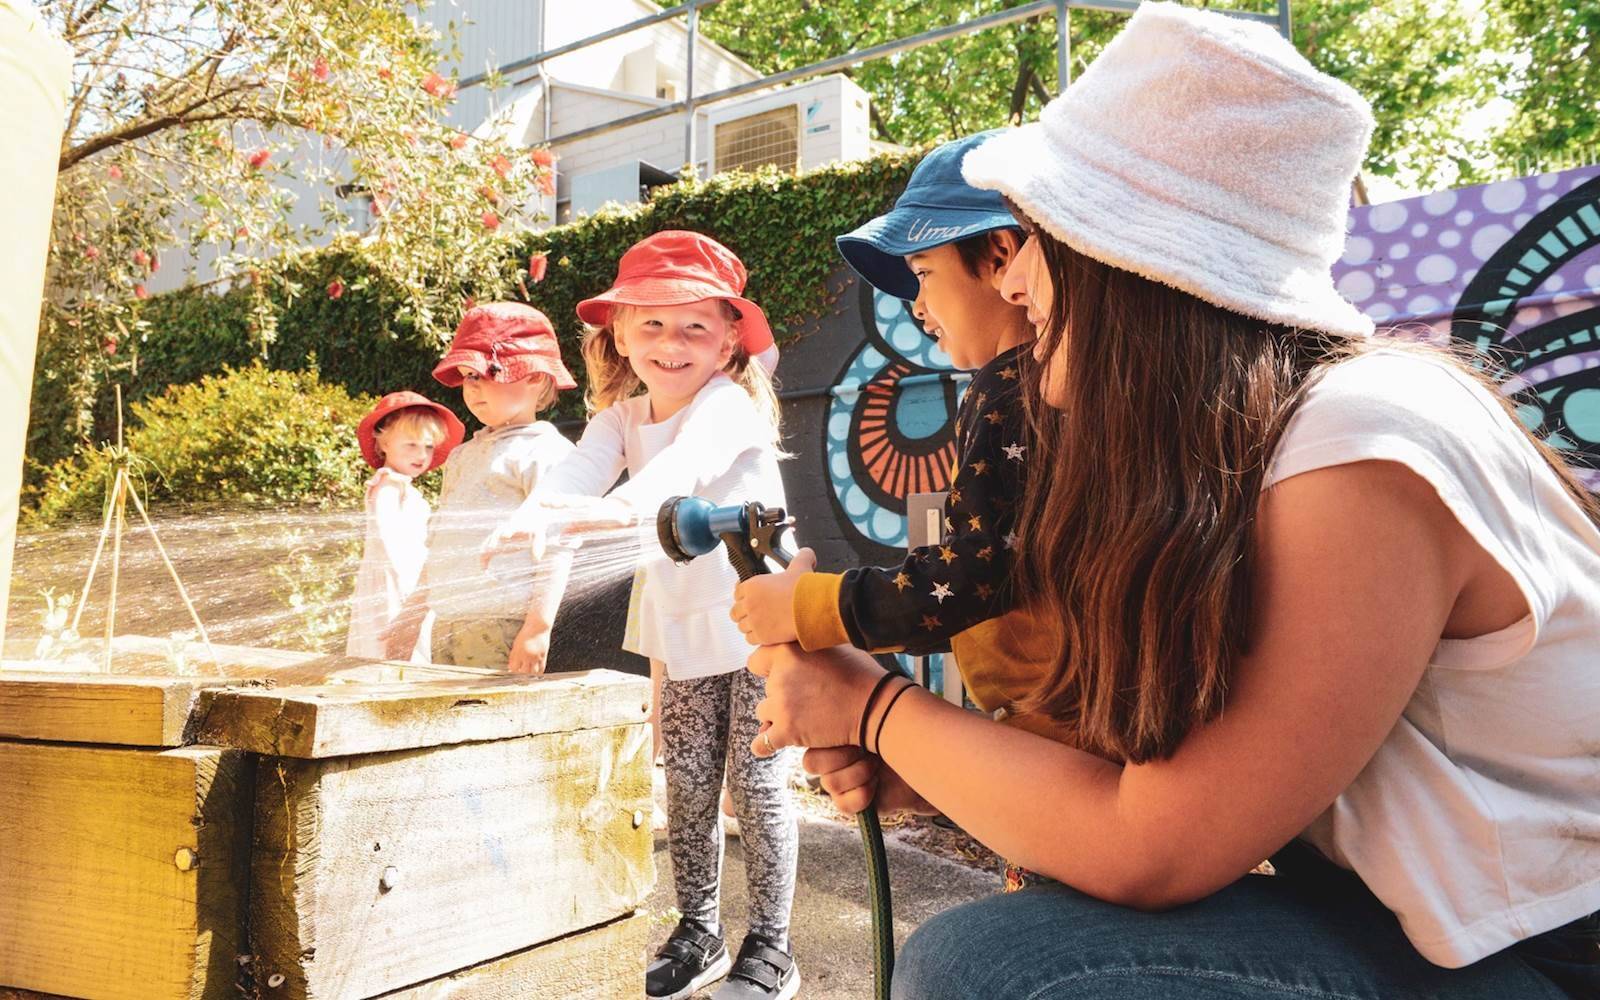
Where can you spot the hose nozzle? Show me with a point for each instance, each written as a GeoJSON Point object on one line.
{"type": "Point", "coordinates": [693, 526]}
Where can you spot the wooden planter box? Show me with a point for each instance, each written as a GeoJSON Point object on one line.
{"type": "Point", "coordinates": [284, 825]}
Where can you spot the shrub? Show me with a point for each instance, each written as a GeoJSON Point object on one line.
{"type": "Point", "coordinates": [250, 436]}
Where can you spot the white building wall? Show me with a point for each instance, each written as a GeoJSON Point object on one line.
{"type": "Point", "coordinates": [494, 32]}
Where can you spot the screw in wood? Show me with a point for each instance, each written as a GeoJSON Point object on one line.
{"type": "Point", "coordinates": [186, 859]}
{"type": "Point", "coordinates": [389, 879]}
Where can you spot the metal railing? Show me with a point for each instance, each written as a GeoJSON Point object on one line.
{"type": "Point", "coordinates": [691, 11]}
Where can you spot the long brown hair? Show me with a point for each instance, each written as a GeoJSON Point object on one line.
{"type": "Point", "coordinates": [1138, 528]}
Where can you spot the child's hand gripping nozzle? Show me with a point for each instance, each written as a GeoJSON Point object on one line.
{"type": "Point", "coordinates": [751, 532]}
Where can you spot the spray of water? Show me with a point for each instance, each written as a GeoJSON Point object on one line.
{"type": "Point", "coordinates": [265, 578]}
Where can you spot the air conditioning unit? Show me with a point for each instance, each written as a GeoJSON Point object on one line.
{"type": "Point", "coordinates": [766, 138]}
{"type": "Point", "coordinates": [796, 128]}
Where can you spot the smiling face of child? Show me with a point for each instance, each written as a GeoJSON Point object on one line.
{"type": "Point", "coordinates": [675, 349]}
{"type": "Point", "coordinates": [960, 304]}
{"type": "Point", "coordinates": [407, 448]}
{"type": "Point", "coordinates": [501, 404]}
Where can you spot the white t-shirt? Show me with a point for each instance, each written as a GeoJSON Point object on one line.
{"type": "Point", "coordinates": [718, 447]}
{"type": "Point", "coordinates": [1478, 819]}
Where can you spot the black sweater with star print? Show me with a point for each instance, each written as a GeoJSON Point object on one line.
{"type": "Point", "coordinates": [940, 590]}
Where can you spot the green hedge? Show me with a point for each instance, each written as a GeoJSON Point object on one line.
{"type": "Point", "coordinates": [782, 226]}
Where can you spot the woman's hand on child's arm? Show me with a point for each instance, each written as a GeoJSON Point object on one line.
{"type": "Point", "coordinates": [763, 606]}
{"type": "Point", "coordinates": [855, 779]}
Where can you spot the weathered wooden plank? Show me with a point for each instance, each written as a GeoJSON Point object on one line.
{"type": "Point", "coordinates": [371, 718]}
{"type": "Point", "coordinates": [606, 963]}
{"type": "Point", "coordinates": [76, 708]}
{"type": "Point", "coordinates": [142, 656]}
{"type": "Point", "coordinates": [373, 873]}
{"type": "Point", "coordinates": [148, 697]}
{"type": "Point", "coordinates": [122, 871]}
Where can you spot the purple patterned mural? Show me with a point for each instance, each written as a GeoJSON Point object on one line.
{"type": "Point", "coordinates": [1512, 268]}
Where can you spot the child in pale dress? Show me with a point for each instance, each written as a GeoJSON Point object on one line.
{"type": "Point", "coordinates": [404, 436]}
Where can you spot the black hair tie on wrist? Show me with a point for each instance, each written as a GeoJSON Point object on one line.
{"type": "Point", "coordinates": [866, 711]}
{"type": "Point", "coordinates": [877, 734]}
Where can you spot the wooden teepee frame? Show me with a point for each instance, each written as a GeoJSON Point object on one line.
{"type": "Point", "coordinates": [117, 497]}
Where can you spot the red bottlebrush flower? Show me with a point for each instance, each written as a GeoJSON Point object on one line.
{"type": "Point", "coordinates": [335, 289]}
{"type": "Point", "coordinates": [155, 263]}
{"type": "Point", "coordinates": [538, 264]}
{"type": "Point", "coordinates": [458, 140]}
{"type": "Point", "coordinates": [320, 71]}
{"type": "Point", "coordinates": [259, 158]}
{"type": "Point", "coordinates": [547, 184]}
{"type": "Point", "coordinates": [543, 158]}
{"type": "Point", "coordinates": [141, 258]}
{"type": "Point", "coordinates": [91, 252]}
{"type": "Point", "coordinates": [489, 192]}
{"type": "Point", "coordinates": [491, 221]}
{"type": "Point", "coordinates": [141, 292]}
{"type": "Point", "coordinates": [114, 172]}
{"type": "Point", "coordinates": [380, 204]}
{"type": "Point", "coordinates": [109, 345]}
{"type": "Point", "coordinates": [385, 73]}
{"type": "Point", "coordinates": [502, 166]}
{"type": "Point", "coordinates": [438, 86]}
{"type": "Point", "coordinates": [242, 233]}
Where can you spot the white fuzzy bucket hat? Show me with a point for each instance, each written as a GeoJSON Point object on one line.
{"type": "Point", "coordinates": [1203, 152]}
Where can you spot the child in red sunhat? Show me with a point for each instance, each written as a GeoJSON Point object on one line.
{"type": "Point", "coordinates": [498, 613]}
{"type": "Point", "coordinates": [404, 436]}
{"type": "Point", "coordinates": [684, 404]}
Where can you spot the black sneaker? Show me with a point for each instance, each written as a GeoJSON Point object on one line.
{"type": "Point", "coordinates": [763, 971]}
{"type": "Point", "coordinates": [691, 958]}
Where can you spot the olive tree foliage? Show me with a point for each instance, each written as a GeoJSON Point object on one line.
{"type": "Point", "coordinates": [200, 123]}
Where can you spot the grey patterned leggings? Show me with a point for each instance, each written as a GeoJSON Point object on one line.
{"type": "Point", "coordinates": [707, 724]}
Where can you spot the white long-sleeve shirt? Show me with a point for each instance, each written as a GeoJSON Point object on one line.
{"type": "Point", "coordinates": [719, 447]}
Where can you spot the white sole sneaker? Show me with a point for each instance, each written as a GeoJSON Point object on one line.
{"type": "Point", "coordinates": [713, 972]}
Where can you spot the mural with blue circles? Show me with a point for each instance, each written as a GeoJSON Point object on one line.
{"type": "Point", "coordinates": [1511, 268]}
{"type": "Point", "coordinates": [890, 426]}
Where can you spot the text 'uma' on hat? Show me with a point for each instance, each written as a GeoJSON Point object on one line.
{"type": "Point", "coordinates": [1201, 151]}
{"type": "Point", "coordinates": [675, 267]}
{"type": "Point", "coordinates": [504, 342]}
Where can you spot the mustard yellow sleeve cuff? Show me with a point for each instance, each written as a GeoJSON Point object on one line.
{"type": "Point", "coordinates": [817, 623]}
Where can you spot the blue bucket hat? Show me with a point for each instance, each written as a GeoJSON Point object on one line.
{"type": "Point", "coordinates": [937, 207]}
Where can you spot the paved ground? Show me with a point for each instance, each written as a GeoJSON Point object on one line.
{"type": "Point", "coordinates": [831, 919]}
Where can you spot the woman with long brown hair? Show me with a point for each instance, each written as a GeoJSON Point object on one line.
{"type": "Point", "coordinates": [1319, 599]}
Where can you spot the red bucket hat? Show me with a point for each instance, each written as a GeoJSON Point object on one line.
{"type": "Point", "coordinates": [504, 342]}
{"type": "Point", "coordinates": [366, 431]}
{"type": "Point", "coordinates": [676, 267]}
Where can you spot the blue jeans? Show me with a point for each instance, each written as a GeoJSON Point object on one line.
{"type": "Point", "coordinates": [1318, 936]}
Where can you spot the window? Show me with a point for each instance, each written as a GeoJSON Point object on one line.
{"type": "Point", "coordinates": [757, 140]}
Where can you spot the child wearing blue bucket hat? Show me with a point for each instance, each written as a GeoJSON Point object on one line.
{"type": "Point", "coordinates": [945, 246]}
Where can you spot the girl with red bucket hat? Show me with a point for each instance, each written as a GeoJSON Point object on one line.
{"type": "Point", "coordinates": [404, 436]}
{"type": "Point", "coordinates": [676, 325]}
{"type": "Point", "coordinates": [506, 362]}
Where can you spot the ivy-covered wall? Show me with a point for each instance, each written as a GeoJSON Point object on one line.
{"type": "Point", "coordinates": [781, 225]}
